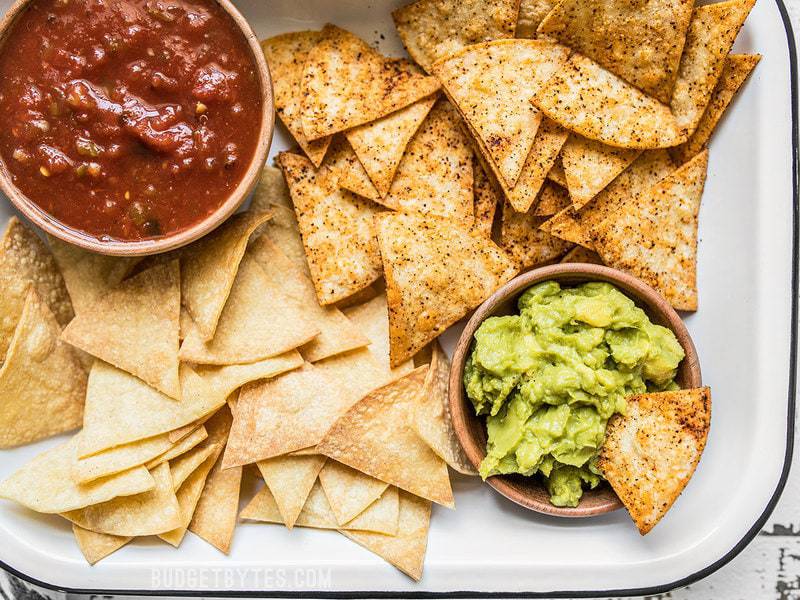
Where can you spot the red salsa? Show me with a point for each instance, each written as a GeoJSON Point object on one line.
{"type": "Point", "coordinates": [128, 119]}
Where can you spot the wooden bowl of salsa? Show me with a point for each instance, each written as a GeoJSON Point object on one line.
{"type": "Point", "coordinates": [131, 127]}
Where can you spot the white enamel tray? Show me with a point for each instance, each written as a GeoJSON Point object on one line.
{"type": "Point", "coordinates": [745, 335]}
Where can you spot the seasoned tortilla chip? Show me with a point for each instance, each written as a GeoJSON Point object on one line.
{"type": "Point", "coordinates": [406, 550]}
{"type": "Point", "coordinates": [524, 242]}
{"type": "Point", "coordinates": [26, 261]}
{"type": "Point", "coordinates": [381, 144]}
{"type": "Point", "coordinates": [650, 453]}
{"type": "Point", "coordinates": [654, 235]}
{"type": "Point", "coordinates": [589, 166]}
{"type": "Point", "coordinates": [486, 199]}
{"type": "Point", "coordinates": [567, 225]}
{"type": "Point", "coordinates": [214, 517]}
{"type": "Point", "coordinates": [45, 485]}
{"type": "Point", "coordinates": [42, 382]}
{"type": "Point", "coordinates": [209, 267]}
{"type": "Point", "coordinates": [579, 254]}
{"type": "Point", "coordinates": [596, 104]}
{"type": "Point", "coordinates": [135, 327]}
{"type": "Point", "coordinates": [435, 272]}
{"type": "Point", "coordinates": [179, 449]}
{"type": "Point", "coordinates": [641, 42]}
{"type": "Point", "coordinates": [260, 320]}
{"type": "Point", "coordinates": [337, 333]}
{"type": "Point", "coordinates": [736, 70]}
{"type": "Point", "coordinates": [376, 437]}
{"type": "Point", "coordinates": [372, 318]}
{"type": "Point", "coordinates": [227, 379]}
{"type": "Point", "coordinates": [531, 13]}
{"type": "Point", "coordinates": [96, 546]}
{"type": "Point", "coordinates": [286, 55]}
{"type": "Point", "coordinates": [711, 34]}
{"type": "Point", "coordinates": [348, 491]}
{"type": "Point", "coordinates": [290, 479]}
{"type": "Point", "coordinates": [348, 171]}
{"type": "Point", "coordinates": [347, 83]}
{"type": "Point", "coordinates": [434, 29]}
{"type": "Point", "coordinates": [337, 228]}
{"type": "Point", "coordinates": [552, 199]}
{"type": "Point", "coordinates": [556, 173]}
{"type": "Point", "coordinates": [491, 84]}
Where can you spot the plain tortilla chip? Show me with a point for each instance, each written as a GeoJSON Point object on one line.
{"type": "Point", "coordinates": [135, 327]}
{"type": "Point", "coordinates": [641, 42]}
{"type": "Point", "coordinates": [372, 317]}
{"type": "Point", "coordinates": [486, 199]}
{"type": "Point", "coordinates": [356, 373]}
{"type": "Point", "coordinates": [26, 261]}
{"type": "Point", "coordinates": [180, 449]}
{"type": "Point", "coordinates": [209, 267]}
{"type": "Point", "coordinates": [650, 453]}
{"type": "Point", "coordinates": [45, 484]}
{"type": "Point", "coordinates": [214, 518]}
{"type": "Point", "coordinates": [286, 55]}
{"type": "Point", "coordinates": [434, 29]}
{"type": "Point", "coordinates": [435, 273]}
{"type": "Point", "coordinates": [654, 236]}
{"type": "Point", "coordinates": [406, 550]}
{"type": "Point", "coordinates": [182, 467]}
{"type": "Point", "coordinates": [227, 379]}
{"type": "Point", "coordinates": [736, 70]}
{"type": "Point", "coordinates": [96, 546]}
{"type": "Point", "coordinates": [524, 242]}
{"type": "Point", "coordinates": [337, 229]}
{"type": "Point", "coordinates": [42, 382]}
{"type": "Point", "coordinates": [531, 13]}
{"type": "Point", "coordinates": [552, 199]}
{"type": "Point", "coordinates": [260, 320]}
{"type": "Point", "coordinates": [579, 254]}
{"type": "Point", "coordinates": [290, 479]}
{"type": "Point", "coordinates": [593, 102]}
{"type": "Point", "coordinates": [589, 166]}
{"type": "Point", "coordinates": [380, 145]}
{"type": "Point", "coordinates": [347, 83]}
{"type": "Point", "coordinates": [349, 492]}
{"type": "Point", "coordinates": [711, 34]}
{"type": "Point", "coordinates": [376, 437]}
{"type": "Point", "coordinates": [491, 84]}
{"type": "Point", "coordinates": [382, 516]}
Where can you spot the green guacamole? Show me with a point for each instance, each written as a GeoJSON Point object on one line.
{"type": "Point", "coordinates": [549, 378]}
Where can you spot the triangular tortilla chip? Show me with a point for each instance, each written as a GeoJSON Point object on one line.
{"type": "Point", "coordinates": [26, 261]}
{"type": "Point", "coordinates": [567, 225]}
{"type": "Point", "coordinates": [348, 171]}
{"type": "Point", "coordinates": [227, 379]}
{"type": "Point", "coordinates": [711, 34]}
{"type": "Point", "coordinates": [42, 382]}
{"type": "Point", "coordinates": [135, 327]}
{"type": "Point", "coordinates": [214, 517]}
{"type": "Point", "coordinates": [182, 467]}
{"type": "Point", "coordinates": [593, 102]}
{"type": "Point", "coordinates": [96, 546]}
{"type": "Point", "coordinates": [356, 373]}
{"type": "Point", "coordinates": [491, 84]}
{"type": "Point", "coordinates": [641, 42]}
{"type": "Point", "coordinates": [579, 254]}
{"type": "Point", "coordinates": [406, 550]}
{"type": "Point", "coordinates": [654, 235]}
{"type": "Point", "coordinates": [381, 144]}
{"type": "Point", "coordinates": [180, 449]}
{"type": "Point", "coordinates": [736, 70]}
{"type": "Point", "coordinates": [486, 199]}
{"type": "Point", "coordinates": [531, 13]}
{"type": "Point", "coordinates": [260, 320]}
{"type": "Point", "coordinates": [651, 452]}
{"type": "Point", "coordinates": [382, 516]}
{"type": "Point", "coordinates": [290, 479]}
{"type": "Point", "coordinates": [552, 199]}
{"type": "Point", "coordinates": [286, 55]}
{"type": "Point", "coordinates": [337, 228]}
{"type": "Point", "coordinates": [589, 166]}
{"type": "Point", "coordinates": [209, 267]}
{"type": "Point", "coordinates": [348, 83]}
{"type": "Point", "coordinates": [528, 245]}
{"type": "Point", "coordinates": [376, 437]}
{"type": "Point", "coordinates": [348, 491]}
{"type": "Point", "coordinates": [556, 173]}
{"type": "Point", "coordinates": [372, 318]}
{"type": "Point", "coordinates": [435, 273]}
{"type": "Point", "coordinates": [434, 29]}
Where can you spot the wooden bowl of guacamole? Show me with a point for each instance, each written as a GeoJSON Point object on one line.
{"type": "Point", "coordinates": [544, 363]}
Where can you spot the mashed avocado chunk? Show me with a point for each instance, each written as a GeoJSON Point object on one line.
{"type": "Point", "coordinates": [549, 379]}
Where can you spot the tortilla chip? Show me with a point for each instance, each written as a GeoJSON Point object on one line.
{"type": "Point", "coordinates": [135, 327]}
{"type": "Point", "coordinates": [45, 485]}
{"type": "Point", "coordinates": [290, 479]}
{"type": "Point", "coordinates": [227, 379]}
{"type": "Point", "coordinates": [42, 382]}
{"type": "Point", "coordinates": [527, 244]}
{"type": "Point", "coordinates": [650, 453]}
{"type": "Point", "coordinates": [372, 318]}
{"type": "Point", "coordinates": [347, 83]}
{"type": "Point", "coordinates": [337, 333]}
{"type": "Point", "coordinates": [96, 546]}
{"type": "Point", "coordinates": [531, 13]}
{"type": "Point", "coordinates": [552, 199]}
{"type": "Point", "coordinates": [491, 84]}
{"type": "Point", "coordinates": [486, 199]}
{"type": "Point", "coordinates": [736, 70]}
{"type": "Point", "coordinates": [362, 296]}
{"type": "Point", "coordinates": [376, 437]}
{"type": "Point", "coordinates": [579, 254]}
{"type": "Point", "coordinates": [432, 420]}
{"type": "Point", "coordinates": [356, 373]}
{"type": "Point", "coordinates": [179, 449]}
{"type": "Point", "coordinates": [596, 104]}
{"type": "Point", "coordinates": [26, 261]}
{"type": "Point", "coordinates": [286, 55]}
{"type": "Point", "coordinates": [381, 144]}
{"type": "Point", "coordinates": [260, 320]}
{"type": "Point", "coordinates": [434, 29]}
{"type": "Point", "coordinates": [183, 466]}
{"type": "Point", "coordinates": [556, 173]}
{"type": "Point", "coordinates": [589, 166]}
{"type": "Point", "coordinates": [566, 225]}
{"type": "Point", "coordinates": [406, 550]}
{"type": "Point", "coordinates": [121, 408]}
{"type": "Point", "coordinates": [348, 491]}
{"type": "Point", "coordinates": [337, 228]}
{"type": "Point", "coordinates": [348, 171]}
{"type": "Point", "coordinates": [710, 37]}
{"type": "Point", "coordinates": [641, 42]}
{"type": "Point", "coordinates": [214, 518]}
{"type": "Point", "coordinates": [435, 272]}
